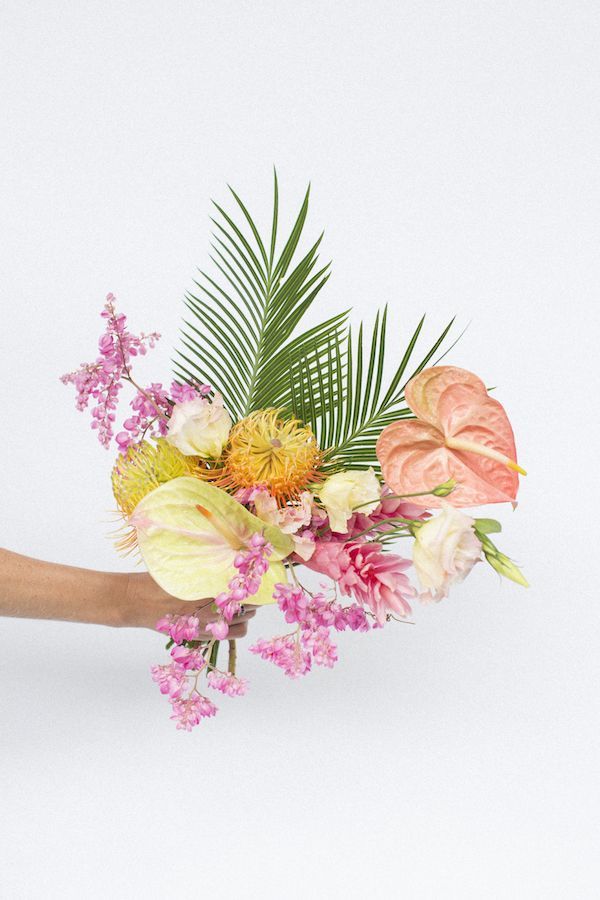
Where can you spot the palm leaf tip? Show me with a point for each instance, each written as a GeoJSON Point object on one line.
{"type": "Point", "coordinates": [242, 334]}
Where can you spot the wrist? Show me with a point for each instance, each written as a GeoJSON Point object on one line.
{"type": "Point", "coordinates": [125, 601]}
{"type": "Point", "coordinates": [141, 602]}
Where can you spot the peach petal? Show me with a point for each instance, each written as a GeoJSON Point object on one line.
{"type": "Point", "coordinates": [482, 421]}
{"type": "Point", "coordinates": [423, 392]}
{"type": "Point", "coordinates": [461, 432]}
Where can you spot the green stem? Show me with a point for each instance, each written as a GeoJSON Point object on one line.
{"type": "Point", "coordinates": [385, 497]}
{"type": "Point", "coordinates": [232, 657]}
{"type": "Point", "coordinates": [214, 653]}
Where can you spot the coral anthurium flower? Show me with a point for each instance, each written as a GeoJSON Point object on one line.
{"type": "Point", "coordinates": [189, 534]}
{"type": "Point", "coordinates": [460, 432]}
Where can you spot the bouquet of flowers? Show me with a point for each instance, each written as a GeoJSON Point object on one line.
{"type": "Point", "coordinates": [276, 449]}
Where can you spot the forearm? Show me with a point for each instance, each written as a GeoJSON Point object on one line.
{"type": "Point", "coordinates": [32, 589]}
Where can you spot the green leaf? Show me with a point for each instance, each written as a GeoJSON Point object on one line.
{"type": "Point", "coordinates": [487, 526]}
{"type": "Point", "coordinates": [242, 334]}
{"type": "Point", "coordinates": [349, 425]}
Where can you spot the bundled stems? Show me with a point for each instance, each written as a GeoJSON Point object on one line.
{"type": "Point", "coordinates": [214, 653]}
{"type": "Point", "coordinates": [232, 657]}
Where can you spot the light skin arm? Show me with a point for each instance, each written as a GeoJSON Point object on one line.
{"type": "Point", "coordinates": [32, 589]}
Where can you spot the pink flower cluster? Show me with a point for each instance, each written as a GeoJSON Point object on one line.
{"type": "Point", "coordinates": [190, 712]}
{"type": "Point", "coordinates": [179, 679]}
{"type": "Point", "coordinates": [378, 521]}
{"type": "Point", "coordinates": [227, 683]}
{"type": "Point", "coordinates": [152, 408]}
{"type": "Point", "coordinates": [150, 415]}
{"type": "Point", "coordinates": [315, 616]}
{"type": "Point", "coordinates": [251, 564]}
{"type": "Point", "coordinates": [361, 569]}
{"type": "Point", "coordinates": [182, 393]}
{"type": "Point", "coordinates": [102, 382]}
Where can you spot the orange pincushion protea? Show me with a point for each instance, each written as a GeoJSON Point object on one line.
{"type": "Point", "coordinates": [265, 449]}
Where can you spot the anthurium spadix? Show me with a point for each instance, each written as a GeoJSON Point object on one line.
{"type": "Point", "coordinates": [189, 533]}
{"type": "Point", "coordinates": [459, 432]}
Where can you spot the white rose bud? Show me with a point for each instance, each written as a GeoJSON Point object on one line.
{"type": "Point", "coordinates": [199, 428]}
{"type": "Point", "coordinates": [445, 550]}
{"type": "Point", "coordinates": [343, 492]}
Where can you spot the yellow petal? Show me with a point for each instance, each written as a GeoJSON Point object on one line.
{"type": "Point", "coordinates": [189, 533]}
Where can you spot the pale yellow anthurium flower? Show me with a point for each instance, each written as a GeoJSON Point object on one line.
{"type": "Point", "coordinates": [189, 533]}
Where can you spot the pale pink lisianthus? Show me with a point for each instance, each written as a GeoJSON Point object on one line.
{"type": "Point", "coordinates": [362, 570]}
{"type": "Point", "coordinates": [445, 550]}
{"type": "Point", "coordinates": [289, 518]}
{"type": "Point", "coordinates": [199, 427]}
{"type": "Point", "coordinates": [304, 544]}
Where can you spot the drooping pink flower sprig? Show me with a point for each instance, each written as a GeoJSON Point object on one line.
{"type": "Point", "coordinates": [315, 616]}
{"type": "Point", "coordinates": [191, 659]}
{"type": "Point", "coordinates": [251, 563]}
{"type": "Point", "coordinates": [178, 680]}
{"type": "Point", "coordinates": [102, 382]}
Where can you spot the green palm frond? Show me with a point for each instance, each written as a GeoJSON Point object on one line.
{"type": "Point", "coordinates": [240, 334]}
{"type": "Point", "coordinates": [242, 338]}
{"type": "Point", "coordinates": [342, 396]}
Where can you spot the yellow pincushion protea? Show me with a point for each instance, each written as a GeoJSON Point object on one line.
{"type": "Point", "coordinates": [281, 454]}
{"type": "Point", "coordinates": [143, 468]}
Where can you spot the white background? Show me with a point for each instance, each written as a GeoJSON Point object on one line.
{"type": "Point", "coordinates": [453, 151]}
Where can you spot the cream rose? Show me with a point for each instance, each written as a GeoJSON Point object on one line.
{"type": "Point", "coordinates": [199, 428]}
{"type": "Point", "coordinates": [343, 492]}
{"type": "Point", "coordinates": [445, 550]}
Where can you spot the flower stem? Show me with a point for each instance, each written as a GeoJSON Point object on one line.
{"type": "Point", "coordinates": [214, 653]}
{"type": "Point", "coordinates": [159, 413]}
{"type": "Point", "coordinates": [232, 657]}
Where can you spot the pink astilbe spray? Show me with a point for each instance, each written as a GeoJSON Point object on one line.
{"type": "Point", "coordinates": [102, 382]}
{"type": "Point", "coordinates": [314, 615]}
{"type": "Point", "coordinates": [151, 408]}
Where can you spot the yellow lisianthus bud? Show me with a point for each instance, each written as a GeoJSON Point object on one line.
{"type": "Point", "coordinates": [442, 490]}
{"type": "Point", "coordinates": [501, 563]}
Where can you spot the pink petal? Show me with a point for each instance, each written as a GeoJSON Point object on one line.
{"type": "Point", "coordinates": [425, 389]}
{"type": "Point", "coordinates": [453, 408]}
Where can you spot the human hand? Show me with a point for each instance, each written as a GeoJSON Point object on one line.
{"type": "Point", "coordinates": [33, 589]}
{"type": "Point", "coordinates": [144, 603]}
